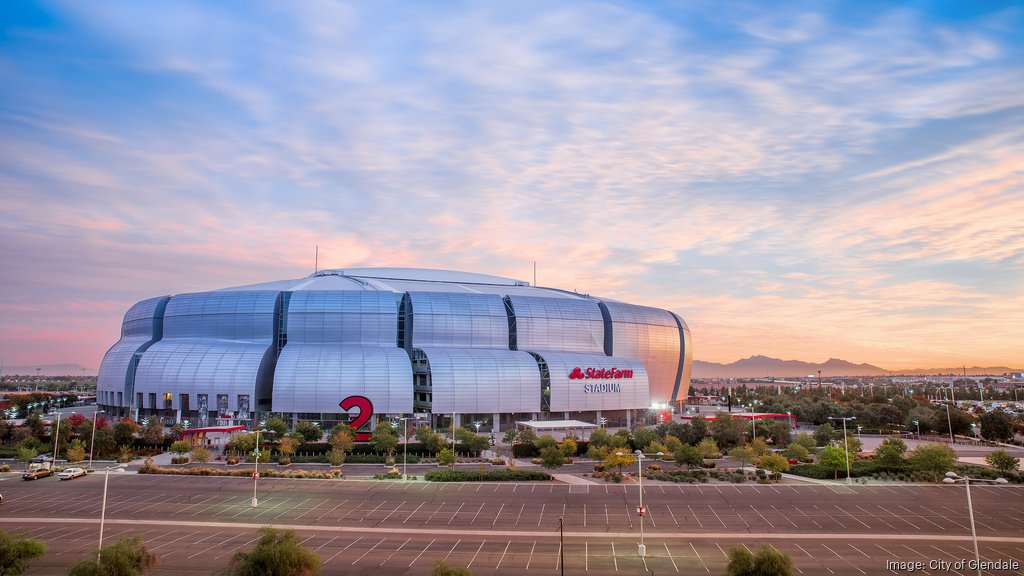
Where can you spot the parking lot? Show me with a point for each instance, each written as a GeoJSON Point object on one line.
{"type": "Point", "coordinates": [196, 523]}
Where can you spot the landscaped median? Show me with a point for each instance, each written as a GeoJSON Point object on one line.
{"type": "Point", "coordinates": [486, 476]}
{"type": "Point", "coordinates": [267, 472]}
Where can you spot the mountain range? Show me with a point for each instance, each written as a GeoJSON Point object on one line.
{"type": "Point", "coordinates": [753, 367]}
{"type": "Point", "coordinates": [761, 366]}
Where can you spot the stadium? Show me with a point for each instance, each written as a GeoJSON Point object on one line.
{"type": "Point", "coordinates": [441, 345]}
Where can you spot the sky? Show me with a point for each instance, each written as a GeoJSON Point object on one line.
{"type": "Point", "coordinates": [798, 180]}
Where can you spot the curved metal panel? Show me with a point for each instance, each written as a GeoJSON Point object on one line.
{"type": "Point", "coordinates": [451, 319]}
{"type": "Point", "coordinates": [142, 325]}
{"type": "Point", "coordinates": [682, 389]}
{"type": "Point", "coordinates": [473, 380]}
{"type": "Point", "coordinates": [652, 336]}
{"type": "Point", "coordinates": [214, 344]}
{"type": "Point", "coordinates": [315, 377]}
{"type": "Point", "coordinates": [612, 389]}
{"type": "Point", "coordinates": [558, 324]}
{"type": "Point", "coordinates": [349, 317]}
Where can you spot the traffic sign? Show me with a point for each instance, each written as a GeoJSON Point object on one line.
{"type": "Point", "coordinates": [256, 475]}
{"type": "Point", "coordinates": [641, 510]}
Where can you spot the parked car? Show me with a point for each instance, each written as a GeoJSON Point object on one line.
{"type": "Point", "coordinates": [70, 473]}
{"type": "Point", "coordinates": [37, 473]}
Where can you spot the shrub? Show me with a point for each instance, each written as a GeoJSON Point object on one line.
{"type": "Point", "coordinates": [485, 476]}
{"type": "Point", "coordinates": [200, 455]}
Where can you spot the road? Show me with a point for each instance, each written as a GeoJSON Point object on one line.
{"type": "Point", "coordinates": [195, 524]}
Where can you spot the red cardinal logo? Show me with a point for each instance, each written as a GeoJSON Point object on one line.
{"type": "Point", "coordinates": [576, 374]}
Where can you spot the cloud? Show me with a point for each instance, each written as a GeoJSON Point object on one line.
{"type": "Point", "coordinates": [782, 178]}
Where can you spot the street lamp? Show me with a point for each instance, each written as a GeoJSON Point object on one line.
{"type": "Point", "coordinates": [846, 445]}
{"type": "Point", "coordinates": [949, 422]}
{"type": "Point", "coordinates": [918, 422]}
{"type": "Point", "coordinates": [405, 446]}
{"type": "Point", "coordinates": [103, 509]}
{"type": "Point", "coordinates": [952, 478]}
{"type": "Point", "coordinates": [753, 428]}
{"type": "Point", "coordinates": [92, 439]}
{"type": "Point", "coordinates": [56, 437]}
{"type": "Point", "coordinates": [256, 472]}
{"type": "Point", "coordinates": [641, 511]}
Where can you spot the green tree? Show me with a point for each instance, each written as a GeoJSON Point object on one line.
{"type": "Point", "coordinates": [924, 416]}
{"type": "Point", "coordinates": [431, 440]}
{"type": "Point", "coordinates": [104, 443]}
{"type": "Point", "coordinates": [278, 425]}
{"type": "Point", "coordinates": [125, 557]}
{"type": "Point", "coordinates": [775, 463]}
{"type": "Point", "coordinates": [644, 436]}
{"type": "Point", "coordinates": [934, 459]}
{"type": "Point", "coordinates": [759, 447]}
{"type": "Point", "coordinates": [797, 452]}
{"type": "Point", "coordinates": [767, 562]}
{"type": "Point", "coordinates": [442, 568]}
{"type": "Point", "coordinates": [727, 430]}
{"type": "Point", "coordinates": [833, 458]}
{"type": "Point", "coordinates": [552, 457]}
{"type": "Point", "coordinates": [153, 432]}
{"type": "Point", "coordinates": [527, 436]}
{"type": "Point", "coordinates": [241, 443]}
{"type": "Point", "coordinates": [889, 453]}
{"type": "Point", "coordinates": [996, 426]}
{"type": "Point", "coordinates": [545, 441]}
{"type": "Point", "coordinates": [278, 553]}
{"type": "Point", "coordinates": [446, 458]}
{"type": "Point", "coordinates": [709, 449]}
{"type": "Point", "coordinates": [124, 432]}
{"type": "Point", "coordinates": [181, 448]}
{"type": "Point", "coordinates": [384, 440]}
{"type": "Point", "coordinates": [510, 436]}
{"type": "Point", "coordinates": [76, 451]}
{"type": "Point", "coordinates": [25, 453]}
{"type": "Point", "coordinates": [686, 455]}
{"type": "Point", "coordinates": [775, 431]}
{"type": "Point", "coordinates": [742, 454]}
{"type": "Point", "coordinates": [599, 437]}
{"type": "Point", "coordinates": [342, 440]}
{"type": "Point", "coordinates": [309, 431]}
{"type": "Point", "coordinates": [807, 441]}
{"type": "Point", "coordinates": [1002, 460]}
{"type": "Point", "coordinates": [824, 434]}
{"type": "Point", "coordinates": [336, 457]}
{"type": "Point", "coordinates": [16, 551]}
{"type": "Point", "coordinates": [672, 444]}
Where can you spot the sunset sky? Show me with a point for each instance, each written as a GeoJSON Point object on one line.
{"type": "Point", "coordinates": [802, 181]}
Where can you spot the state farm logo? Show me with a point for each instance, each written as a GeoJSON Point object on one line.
{"type": "Point", "coordinates": [599, 374]}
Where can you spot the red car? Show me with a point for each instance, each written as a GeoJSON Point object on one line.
{"type": "Point", "coordinates": [37, 473]}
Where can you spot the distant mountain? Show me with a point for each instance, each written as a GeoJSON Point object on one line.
{"type": "Point", "coordinates": [761, 366]}
{"type": "Point", "coordinates": [48, 370]}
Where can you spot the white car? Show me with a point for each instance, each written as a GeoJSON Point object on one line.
{"type": "Point", "coordinates": [70, 473]}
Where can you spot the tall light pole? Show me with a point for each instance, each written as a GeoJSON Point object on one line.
{"type": "Point", "coordinates": [641, 548]}
{"type": "Point", "coordinates": [56, 437]}
{"type": "Point", "coordinates": [949, 421]}
{"type": "Point", "coordinates": [918, 422]}
{"type": "Point", "coordinates": [92, 439]}
{"type": "Point", "coordinates": [952, 478]}
{"type": "Point", "coordinates": [846, 445]}
{"type": "Point", "coordinates": [103, 509]}
{"type": "Point", "coordinates": [753, 428]}
{"type": "Point", "coordinates": [256, 472]}
{"type": "Point", "coordinates": [405, 447]}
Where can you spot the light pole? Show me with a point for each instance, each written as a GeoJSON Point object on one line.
{"type": "Point", "coordinates": [753, 428]}
{"type": "Point", "coordinates": [846, 445]}
{"type": "Point", "coordinates": [949, 422]}
{"type": "Point", "coordinates": [952, 478]}
{"type": "Point", "coordinates": [103, 509]}
{"type": "Point", "coordinates": [561, 545]}
{"type": "Point", "coordinates": [56, 437]}
{"type": "Point", "coordinates": [256, 472]}
{"type": "Point", "coordinates": [92, 439]}
{"type": "Point", "coordinates": [918, 422]}
{"type": "Point", "coordinates": [405, 447]}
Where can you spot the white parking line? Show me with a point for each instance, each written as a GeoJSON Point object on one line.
{"type": "Point", "coordinates": [498, 514]}
{"type": "Point", "coordinates": [503, 555]}
{"type": "Point", "coordinates": [521, 508]}
{"type": "Point", "coordinates": [399, 549]}
{"type": "Point", "coordinates": [586, 556]}
{"type": "Point", "coordinates": [843, 510]}
{"type": "Point", "coordinates": [350, 544]}
{"type": "Point", "coordinates": [372, 548]}
{"type": "Point", "coordinates": [292, 508]}
{"type": "Point", "coordinates": [541, 517]}
{"type": "Point", "coordinates": [155, 548]}
{"type": "Point", "coordinates": [923, 518]}
{"type": "Point", "coordinates": [331, 510]}
{"type": "Point", "coordinates": [365, 516]}
{"type": "Point", "coordinates": [397, 508]}
{"type": "Point", "coordinates": [530, 559]}
{"type": "Point", "coordinates": [477, 512]}
{"type": "Point", "coordinates": [706, 569]}
{"type": "Point", "coordinates": [695, 517]}
{"type": "Point", "coordinates": [614, 559]}
{"type": "Point", "coordinates": [762, 516]}
{"type": "Point", "coordinates": [422, 552]}
{"type": "Point", "coordinates": [242, 546]}
{"type": "Point", "coordinates": [203, 501]}
{"type": "Point", "coordinates": [670, 513]}
{"type": "Point", "coordinates": [669, 552]}
{"type": "Point", "coordinates": [452, 550]}
{"type": "Point", "coordinates": [456, 513]}
{"type": "Point", "coordinates": [214, 546]}
{"type": "Point", "coordinates": [941, 551]}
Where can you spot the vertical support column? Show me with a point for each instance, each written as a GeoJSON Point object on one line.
{"type": "Point", "coordinates": [496, 426]}
{"type": "Point", "coordinates": [177, 416]}
{"type": "Point", "coordinates": [629, 419]}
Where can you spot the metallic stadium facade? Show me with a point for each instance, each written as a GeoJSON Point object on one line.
{"type": "Point", "coordinates": [443, 343]}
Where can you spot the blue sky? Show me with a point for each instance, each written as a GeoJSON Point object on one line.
{"type": "Point", "coordinates": [803, 181]}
